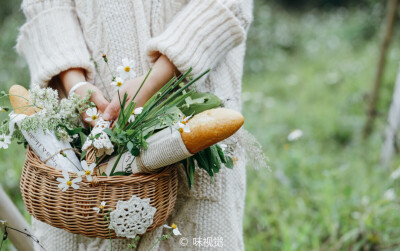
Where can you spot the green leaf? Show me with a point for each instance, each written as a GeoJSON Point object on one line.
{"type": "Point", "coordinates": [71, 131]}
{"type": "Point", "coordinates": [83, 155]}
{"type": "Point", "coordinates": [213, 157]}
{"type": "Point", "coordinates": [109, 132]}
{"type": "Point", "coordinates": [198, 102]}
{"type": "Point", "coordinates": [135, 151]}
{"type": "Point", "coordinates": [201, 158]}
{"type": "Point", "coordinates": [229, 163]}
{"type": "Point", "coordinates": [121, 174]}
{"type": "Point", "coordinates": [83, 138]}
{"type": "Point", "coordinates": [129, 145]}
{"type": "Point", "coordinates": [221, 153]}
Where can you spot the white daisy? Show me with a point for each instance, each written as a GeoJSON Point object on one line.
{"type": "Point", "coordinates": [65, 182]}
{"type": "Point", "coordinates": [119, 82]}
{"type": "Point", "coordinates": [223, 146]}
{"type": "Point", "coordinates": [5, 140]}
{"type": "Point", "coordinates": [137, 111]}
{"type": "Point", "coordinates": [92, 114]}
{"type": "Point", "coordinates": [2, 109]}
{"type": "Point", "coordinates": [174, 228]}
{"type": "Point", "coordinates": [125, 71]}
{"type": "Point", "coordinates": [389, 194]}
{"type": "Point", "coordinates": [295, 135]}
{"type": "Point", "coordinates": [100, 208]}
{"type": "Point", "coordinates": [396, 174]}
{"type": "Point", "coordinates": [182, 126]}
{"type": "Point", "coordinates": [87, 170]}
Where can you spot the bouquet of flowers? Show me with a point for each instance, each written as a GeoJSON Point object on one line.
{"type": "Point", "coordinates": [177, 124]}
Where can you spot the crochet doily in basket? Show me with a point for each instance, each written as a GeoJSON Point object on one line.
{"type": "Point", "coordinates": [102, 144]}
{"type": "Point", "coordinates": [132, 217]}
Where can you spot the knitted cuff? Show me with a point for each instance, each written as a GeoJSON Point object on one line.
{"type": "Point", "coordinates": [202, 33]}
{"type": "Point", "coordinates": [53, 42]}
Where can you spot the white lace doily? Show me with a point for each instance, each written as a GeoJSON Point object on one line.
{"type": "Point", "coordinates": [132, 217]}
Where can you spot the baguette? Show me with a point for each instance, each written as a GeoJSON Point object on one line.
{"type": "Point", "coordinates": [210, 127]}
{"type": "Point", "coordinates": [20, 100]}
{"type": "Point", "coordinates": [170, 146]}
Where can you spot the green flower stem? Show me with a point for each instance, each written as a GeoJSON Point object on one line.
{"type": "Point", "coordinates": [96, 66]}
{"type": "Point", "coordinates": [160, 239]}
{"type": "Point", "coordinates": [141, 85]}
{"type": "Point", "coordinates": [65, 156]}
{"type": "Point", "coordinates": [6, 95]}
{"type": "Point", "coordinates": [109, 230]}
{"type": "Point", "coordinates": [122, 108]}
{"type": "Point", "coordinates": [116, 162]}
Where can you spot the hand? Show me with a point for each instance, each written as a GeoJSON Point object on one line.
{"type": "Point", "coordinates": [73, 76]}
{"type": "Point", "coordinates": [130, 87]}
{"type": "Point", "coordinates": [97, 98]}
{"type": "Point", "coordinates": [162, 71]}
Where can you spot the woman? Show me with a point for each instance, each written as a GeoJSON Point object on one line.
{"type": "Point", "coordinates": [58, 41]}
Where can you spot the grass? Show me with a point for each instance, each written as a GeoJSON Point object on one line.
{"type": "Point", "coordinates": [325, 191]}
{"type": "Point", "coordinates": [310, 71]}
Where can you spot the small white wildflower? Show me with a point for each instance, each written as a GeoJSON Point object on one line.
{"type": "Point", "coordinates": [87, 170]}
{"type": "Point", "coordinates": [137, 111]}
{"type": "Point", "coordinates": [295, 135]}
{"type": "Point", "coordinates": [356, 215]}
{"type": "Point", "coordinates": [119, 82]}
{"type": "Point", "coordinates": [365, 200]}
{"type": "Point", "coordinates": [92, 114]}
{"type": "Point", "coordinates": [3, 222]}
{"type": "Point", "coordinates": [65, 182]}
{"type": "Point", "coordinates": [2, 109]}
{"type": "Point", "coordinates": [182, 126]}
{"type": "Point", "coordinates": [389, 194]}
{"type": "Point", "coordinates": [100, 208]}
{"type": "Point", "coordinates": [125, 71]}
{"type": "Point", "coordinates": [223, 146]}
{"type": "Point", "coordinates": [5, 140]}
{"type": "Point", "coordinates": [175, 230]}
{"type": "Point", "coordinates": [395, 174]}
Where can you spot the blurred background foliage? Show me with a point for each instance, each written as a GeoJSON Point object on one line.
{"type": "Point", "coordinates": [309, 66]}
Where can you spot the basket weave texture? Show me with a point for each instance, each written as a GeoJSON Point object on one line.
{"type": "Point", "coordinates": [72, 210]}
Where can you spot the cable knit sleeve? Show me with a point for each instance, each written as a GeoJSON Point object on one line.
{"type": "Point", "coordinates": [51, 40]}
{"type": "Point", "coordinates": [202, 33]}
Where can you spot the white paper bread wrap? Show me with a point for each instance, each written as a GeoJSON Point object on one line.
{"type": "Point", "coordinates": [164, 148]}
{"type": "Point", "coordinates": [170, 146]}
{"type": "Point", "coordinates": [44, 143]}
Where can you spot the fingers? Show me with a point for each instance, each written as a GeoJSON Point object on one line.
{"type": "Point", "coordinates": [112, 110]}
{"type": "Point", "coordinates": [100, 101]}
{"type": "Point", "coordinates": [97, 98]}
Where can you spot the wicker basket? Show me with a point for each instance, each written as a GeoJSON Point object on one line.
{"type": "Point", "coordinates": [72, 210]}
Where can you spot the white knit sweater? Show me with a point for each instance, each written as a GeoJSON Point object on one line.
{"type": "Point", "coordinates": [202, 34]}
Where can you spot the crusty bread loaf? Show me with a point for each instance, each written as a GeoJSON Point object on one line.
{"type": "Point", "coordinates": [19, 98]}
{"type": "Point", "coordinates": [209, 127]}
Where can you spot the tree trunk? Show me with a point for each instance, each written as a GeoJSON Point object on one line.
{"type": "Point", "coordinates": [373, 97]}
{"type": "Point", "coordinates": [393, 125]}
{"type": "Point", "coordinates": [10, 213]}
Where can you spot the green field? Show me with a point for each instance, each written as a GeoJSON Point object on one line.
{"type": "Point", "coordinates": [312, 71]}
